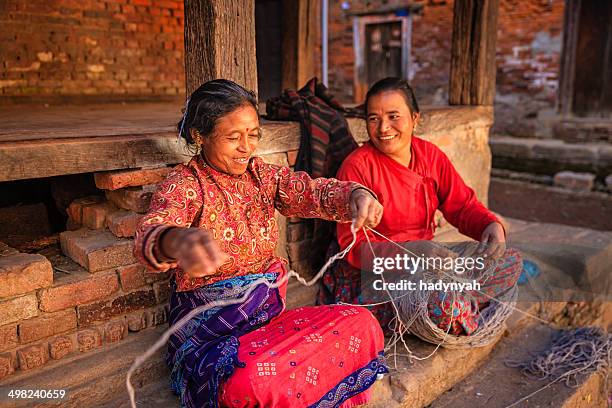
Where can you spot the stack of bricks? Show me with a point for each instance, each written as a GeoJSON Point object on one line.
{"type": "Point", "coordinates": [93, 293]}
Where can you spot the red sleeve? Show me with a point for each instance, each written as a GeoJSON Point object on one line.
{"type": "Point", "coordinates": [458, 201]}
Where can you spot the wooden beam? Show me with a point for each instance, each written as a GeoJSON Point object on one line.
{"type": "Point", "coordinates": [220, 42]}
{"type": "Point", "coordinates": [301, 29]}
{"type": "Point", "coordinates": [46, 153]}
{"type": "Point", "coordinates": [472, 73]}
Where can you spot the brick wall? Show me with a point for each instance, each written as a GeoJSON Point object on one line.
{"type": "Point", "coordinates": [98, 48]}
{"type": "Point", "coordinates": [528, 50]}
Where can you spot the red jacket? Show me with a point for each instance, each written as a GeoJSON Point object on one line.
{"type": "Point", "coordinates": [410, 195]}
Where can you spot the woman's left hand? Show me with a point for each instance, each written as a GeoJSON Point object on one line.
{"type": "Point", "coordinates": [365, 209]}
{"type": "Point", "coordinates": [493, 241]}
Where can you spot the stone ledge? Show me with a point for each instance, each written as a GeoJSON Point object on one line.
{"type": "Point", "coordinates": [579, 209]}
{"type": "Point", "coordinates": [549, 156]}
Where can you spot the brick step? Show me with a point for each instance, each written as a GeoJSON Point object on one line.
{"type": "Point", "coordinates": [94, 378]}
{"type": "Point", "coordinates": [494, 385]}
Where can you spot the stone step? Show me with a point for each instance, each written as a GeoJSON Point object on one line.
{"type": "Point", "coordinates": [553, 247]}
{"type": "Point", "coordinates": [95, 378]}
{"type": "Point", "coordinates": [571, 259]}
{"type": "Point", "coordinates": [549, 156]}
{"type": "Point", "coordinates": [494, 385]}
{"type": "Point", "coordinates": [154, 395]}
{"type": "Point", "coordinates": [581, 209]}
{"type": "Point", "coordinates": [419, 384]}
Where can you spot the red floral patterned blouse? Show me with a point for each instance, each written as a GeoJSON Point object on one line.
{"type": "Point", "coordinates": [238, 211]}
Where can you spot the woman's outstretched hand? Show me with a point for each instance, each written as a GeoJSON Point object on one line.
{"type": "Point", "coordinates": [493, 241]}
{"type": "Point", "coordinates": [366, 211]}
{"type": "Point", "coordinates": [194, 249]}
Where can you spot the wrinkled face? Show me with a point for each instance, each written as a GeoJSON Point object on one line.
{"type": "Point", "coordinates": [390, 124]}
{"type": "Point", "coordinates": [233, 141]}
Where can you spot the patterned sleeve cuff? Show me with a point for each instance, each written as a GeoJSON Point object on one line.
{"type": "Point", "coordinates": [150, 249]}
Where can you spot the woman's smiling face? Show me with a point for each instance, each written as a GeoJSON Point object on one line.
{"type": "Point", "coordinates": [233, 141]}
{"type": "Point", "coordinates": [390, 124]}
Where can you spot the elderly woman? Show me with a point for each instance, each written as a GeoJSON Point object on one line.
{"type": "Point", "coordinates": [212, 222]}
{"type": "Point", "coordinates": [412, 178]}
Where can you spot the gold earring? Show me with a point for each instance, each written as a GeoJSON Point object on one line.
{"type": "Point", "coordinates": [197, 138]}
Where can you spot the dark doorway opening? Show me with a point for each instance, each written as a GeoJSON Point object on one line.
{"type": "Point", "coordinates": [268, 16]}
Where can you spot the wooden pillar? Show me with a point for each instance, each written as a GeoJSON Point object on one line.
{"type": "Point", "coordinates": [301, 26]}
{"type": "Point", "coordinates": [567, 71]}
{"type": "Point", "coordinates": [220, 42]}
{"type": "Point", "coordinates": [472, 73]}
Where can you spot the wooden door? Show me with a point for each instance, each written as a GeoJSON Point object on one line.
{"type": "Point", "coordinates": [383, 51]}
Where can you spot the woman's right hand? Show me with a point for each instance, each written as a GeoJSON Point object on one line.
{"type": "Point", "coordinates": [194, 249]}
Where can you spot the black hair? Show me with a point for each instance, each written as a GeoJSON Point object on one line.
{"type": "Point", "coordinates": [211, 101]}
{"type": "Point", "coordinates": [394, 84]}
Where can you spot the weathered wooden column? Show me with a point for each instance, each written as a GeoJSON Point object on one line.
{"type": "Point", "coordinates": [301, 26]}
{"type": "Point", "coordinates": [472, 72]}
{"type": "Point", "coordinates": [220, 42]}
